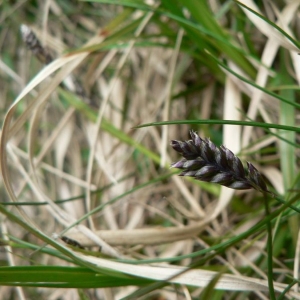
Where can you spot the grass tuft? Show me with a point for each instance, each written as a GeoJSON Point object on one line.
{"type": "Point", "coordinates": [91, 94]}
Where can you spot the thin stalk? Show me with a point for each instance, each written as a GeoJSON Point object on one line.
{"type": "Point", "coordinates": [281, 297]}
{"type": "Point", "coordinates": [269, 249]}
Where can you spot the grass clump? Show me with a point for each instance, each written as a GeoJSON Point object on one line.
{"type": "Point", "coordinates": [92, 93]}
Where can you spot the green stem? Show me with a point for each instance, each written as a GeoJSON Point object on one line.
{"type": "Point", "coordinates": [281, 297]}
{"type": "Point", "coordinates": [269, 249]}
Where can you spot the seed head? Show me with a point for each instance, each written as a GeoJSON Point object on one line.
{"type": "Point", "coordinates": [204, 161]}
{"type": "Point", "coordinates": [35, 45]}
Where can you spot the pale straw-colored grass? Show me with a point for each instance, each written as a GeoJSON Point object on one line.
{"type": "Point", "coordinates": [52, 150]}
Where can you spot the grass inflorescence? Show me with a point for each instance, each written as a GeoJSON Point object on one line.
{"type": "Point", "coordinates": [204, 161]}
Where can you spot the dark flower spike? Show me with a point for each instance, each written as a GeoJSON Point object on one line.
{"type": "Point", "coordinates": [204, 161]}
{"type": "Point", "coordinates": [34, 45]}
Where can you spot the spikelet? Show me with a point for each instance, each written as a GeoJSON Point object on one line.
{"type": "Point", "coordinates": [204, 161]}
{"type": "Point", "coordinates": [34, 45]}
{"type": "Point", "coordinates": [44, 56]}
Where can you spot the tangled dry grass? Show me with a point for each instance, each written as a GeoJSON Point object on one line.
{"type": "Point", "coordinates": [81, 170]}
